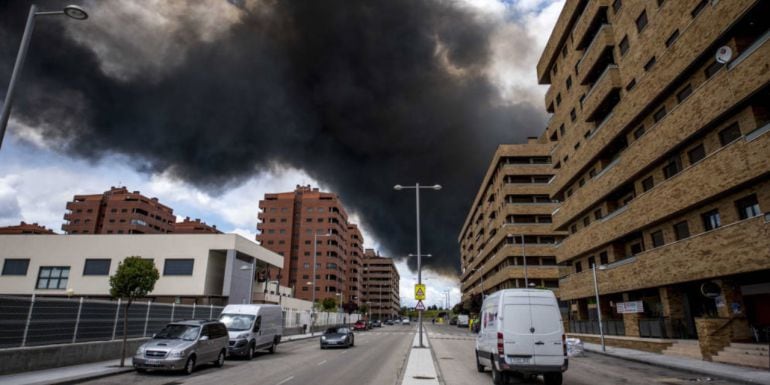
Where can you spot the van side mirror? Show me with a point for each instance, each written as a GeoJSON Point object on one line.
{"type": "Point", "coordinates": [204, 338]}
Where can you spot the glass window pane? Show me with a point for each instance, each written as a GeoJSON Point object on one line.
{"type": "Point", "coordinates": [45, 272]}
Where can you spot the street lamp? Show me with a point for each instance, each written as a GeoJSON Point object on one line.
{"type": "Point", "coordinates": [251, 279]}
{"type": "Point", "coordinates": [598, 306]}
{"type": "Point", "coordinates": [72, 11]}
{"type": "Point", "coordinates": [315, 254]}
{"type": "Point", "coordinates": [524, 258]}
{"type": "Point", "coordinates": [417, 188]}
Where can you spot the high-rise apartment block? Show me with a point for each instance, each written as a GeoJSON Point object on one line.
{"type": "Point", "coordinates": [660, 156]}
{"type": "Point", "coordinates": [25, 228]}
{"type": "Point", "coordinates": [117, 211]}
{"type": "Point", "coordinates": [290, 222]}
{"type": "Point", "coordinates": [381, 291]}
{"type": "Point", "coordinates": [189, 226]}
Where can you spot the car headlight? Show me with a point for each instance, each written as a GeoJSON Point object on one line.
{"type": "Point", "coordinates": [177, 353]}
{"type": "Point", "coordinates": [323, 338]}
{"type": "Point", "coordinates": [140, 351]}
{"type": "Point", "coordinates": [242, 335]}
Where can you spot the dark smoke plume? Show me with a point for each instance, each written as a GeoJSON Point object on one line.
{"type": "Point", "coordinates": [361, 95]}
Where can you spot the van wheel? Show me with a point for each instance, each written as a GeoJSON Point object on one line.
{"type": "Point", "coordinates": [220, 362]}
{"type": "Point", "coordinates": [479, 366]}
{"type": "Point", "coordinates": [498, 377]}
{"type": "Point", "coordinates": [252, 352]}
{"type": "Point", "coordinates": [189, 366]}
{"type": "Point", "coordinates": [272, 348]}
{"type": "Point", "coordinates": [552, 378]}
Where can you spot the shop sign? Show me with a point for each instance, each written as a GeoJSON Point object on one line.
{"type": "Point", "coordinates": [630, 307]}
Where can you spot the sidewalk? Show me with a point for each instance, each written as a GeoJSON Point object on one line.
{"type": "Point", "coordinates": [714, 369]}
{"type": "Point", "coordinates": [420, 368]}
{"type": "Point", "coordinates": [91, 371]}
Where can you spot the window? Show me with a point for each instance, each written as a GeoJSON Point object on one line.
{"type": "Point", "coordinates": [696, 154]}
{"type": "Point", "coordinates": [581, 182]}
{"type": "Point", "coordinates": [306, 265]}
{"type": "Point", "coordinates": [672, 39]}
{"type": "Point", "coordinates": [648, 183]}
{"type": "Point", "coordinates": [15, 266]}
{"type": "Point", "coordinates": [598, 214]}
{"type": "Point", "coordinates": [659, 114]}
{"type": "Point", "coordinates": [747, 207]}
{"type": "Point", "coordinates": [578, 267]}
{"type": "Point", "coordinates": [712, 69]}
{"type": "Point", "coordinates": [591, 261]}
{"type": "Point", "coordinates": [684, 93]}
{"type": "Point", "coordinates": [603, 260]}
{"type": "Point", "coordinates": [681, 230]}
{"type": "Point", "coordinates": [617, 5]}
{"type": "Point", "coordinates": [573, 229]}
{"type": "Point", "coordinates": [178, 267]}
{"type": "Point", "coordinates": [561, 130]}
{"type": "Point", "coordinates": [97, 267]}
{"type": "Point", "coordinates": [637, 248]}
{"type": "Point", "coordinates": [639, 132]}
{"type": "Point", "coordinates": [592, 173]}
{"type": "Point", "coordinates": [698, 8]}
{"type": "Point", "coordinates": [572, 115]}
{"type": "Point", "coordinates": [657, 238]}
{"type": "Point", "coordinates": [586, 221]}
{"type": "Point", "coordinates": [53, 277]}
{"type": "Point", "coordinates": [569, 81]}
{"type": "Point", "coordinates": [630, 86]}
{"type": "Point", "coordinates": [564, 51]}
{"type": "Point", "coordinates": [577, 145]}
{"type": "Point", "coordinates": [650, 64]}
{"type": "Point", "coordinates": [558, 99]}
{"type": "Point", "coordinates": [729, 134]}
{"type": "Point", "coordinates": [623, 46]}
{"type": "Point", "coordinates": [641, 21]}
{"type": "Point", "coordinates": [711, 220]}
{"type": "Point", "coordinates": [672, 167]}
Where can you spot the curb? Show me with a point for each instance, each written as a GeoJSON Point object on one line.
{"type": "Point", "coordinates": [87, 377]}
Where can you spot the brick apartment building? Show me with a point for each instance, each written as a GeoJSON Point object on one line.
{"type": "Point", "coordinates": [507, 240]}
{"type": "Point", "coordinates": [661, 157]}
{"type": "Point", "coordinates": [117, 211]}
{"type": "Point", "coordinates": [189, 226]}
{"type": "Point", "coordinates": [288, 224]}
{"type": "Point", "coordinates": [25, 228]}
{"type": "Point", "coordinates": [381, 286]}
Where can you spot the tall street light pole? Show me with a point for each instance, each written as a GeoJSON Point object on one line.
{"type": "Point", "coordinates": [72, 11]}
{"type": "Point", "coordinates": [315, 255]}
{"type": "Point", "coordinates": [250, 268]}
{"type": "Point", "coordinates": [417, 188]}
{"type": "Point", "coordinates": [598, 306]}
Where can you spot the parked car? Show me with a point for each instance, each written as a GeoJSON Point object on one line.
{"type": "Point", "coordinates": [389, 322]}
{"type": "Point", "coordinates": [453, 321]}
{"type": "Point", "coordinates": [337, 337]}
{"type": "Point", "coordinates": [359, 325]}
{"type": "Point", "coordinates": [252, 328]}
{"type": "Point", "coordinates": [522, 333]}
{"type": "Point", "coordinates": [377, 324]}
{"type": "Point", "coordinates": [462, 321]}
{"type": "Point", "coordinates": [183, 345]}
{"type": "Point", "coordinates": [405, 321]}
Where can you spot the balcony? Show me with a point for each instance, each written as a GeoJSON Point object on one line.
{"type": "Point", "coordinates": [594, 16]}
{"type": "Point", "coordinates": [733, 165]}
{"type": "Point", "coordinates": [598, 56]}
{"type": "Point", "coordinates": [604, 95]}
{"type": "Point", "coordinates": [514, 272]}
{"type": "Point", "coordinates": [731, 249]}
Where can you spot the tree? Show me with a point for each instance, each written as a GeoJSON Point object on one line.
{"type": "Point", "coordinates": [329, 304]}
{"type": "Point", "coordinates": [363, 309]}
{"type": "Point", "coordinates": [134, 278]}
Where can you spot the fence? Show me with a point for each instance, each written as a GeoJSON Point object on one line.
{"type": "Point", "coordinates": [611, 327]}
{"type": "Point", "coordinates": [30, 321]}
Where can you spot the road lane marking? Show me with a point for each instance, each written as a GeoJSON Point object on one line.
{"type": "Point", "coordinates": [344, 351]}
{"type": "Point", "coordinates": [322, 362]}
{"type": "Point", "coordinates": [285, 380]}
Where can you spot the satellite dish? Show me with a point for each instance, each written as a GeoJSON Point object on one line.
{"type": "Point", "coordinates": [724, 54]}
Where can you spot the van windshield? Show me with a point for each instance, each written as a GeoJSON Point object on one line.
{"type": "Point", "coordinates": [237, 322]}
{"type": "Point", "coordinates": [178, 332]}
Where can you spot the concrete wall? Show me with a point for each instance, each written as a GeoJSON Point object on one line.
{"type": "Point", "coordinates": [18, 360]}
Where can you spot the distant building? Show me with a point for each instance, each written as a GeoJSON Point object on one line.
{"type": "Point", "coordinates": [288, 223]}
{"type": "Point", "coordinates": [117, 211]}
{"type": "Point", "coordinates": [188, 226]}
{"type": "Point", "coordinates": [26, 228]}
{"type": "Point", "coordinates": [380, 286]}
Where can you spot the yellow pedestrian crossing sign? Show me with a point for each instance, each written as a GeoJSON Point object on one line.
{"type": "Point", "coordinates": [419, 292]}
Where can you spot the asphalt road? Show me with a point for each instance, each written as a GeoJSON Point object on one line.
{"type": "Point", "coordinates": [377, 358]}
{"type": "Point", "coordinates": [453, 348]}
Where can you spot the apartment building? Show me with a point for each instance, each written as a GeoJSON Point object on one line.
{"type": "Point", "coordinates": [117, 211]}
{"type": "Point", "coordinates": [25, 228]}
{"type": "Point", "coordinates": [661, 162]}
{"type": "Point", "coordinates": [290, 222]}
{"type": "Point", "coordinates": [507, 240]}
{"type": "Point", "coordinates": [189, 226]}
{"type": "Point", "coordinates": [381, 286]}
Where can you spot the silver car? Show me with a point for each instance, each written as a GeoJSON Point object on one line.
{"type": "Point", "coordinates": [337, 337]}
{"type": "Point", "coordinates": [183, 345]}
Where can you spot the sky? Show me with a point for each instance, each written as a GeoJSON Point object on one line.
{"type": "Point", "coordinates": [208, 105]}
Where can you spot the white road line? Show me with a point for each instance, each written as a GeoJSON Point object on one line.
{"type": "Point", "coordinates": [344, 351]}
{"type": "Point", "coordinates": [322, 362]}
{"type": "Point", "coordinates": [285, 380]}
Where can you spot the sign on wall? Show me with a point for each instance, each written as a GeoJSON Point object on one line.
{"type": "Point", "coordinates": [630, 307]}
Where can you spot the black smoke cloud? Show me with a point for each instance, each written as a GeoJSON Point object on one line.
{"type": "Point", "coordinates": [352, 92]}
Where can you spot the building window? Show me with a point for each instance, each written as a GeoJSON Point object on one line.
{"type": "Point", "coordinates": [586, 221]}
{"type": "Point", "coordinates": [657, 238]}
{"type": "Point", "coordinates": [577, 145]}
{"type": "Point", "coordinates": [630, 86]}
{"type": "Point", "coordinates": [671, 39]}
{"type": "Point", "coordinates": [659, 114]}
{"type": "Point", "coordinates": [623, 46]}
{"type": "Point", "coordinates": [591, 261]}
{"type": "Point", "coordinates": [572, 115]}
{"type": "Point", "coordinates": [681, 230]}
{"type": "Point", "coordinates": [558, 99]}
{"type": "Point", "coordinates": [573, 229]}
{"type": "Point", "coordinates": [598, 214]}
{"type": "Point", "coordinates": [581, 182]}
{"type": "Point", "coordinates": [684, 93]}
{"type": "Point", "coordinates": [578, 267]}
{"type": "Point", "coordinates": [747, 207]}
{"type": "Point", "coordinates": [648, 183]}
{"type": "Point", "coordinates": [696, 154]}
{"type": "Point", "coordinates": [53, 277]}
{"type": "Point", "coordinates": [592, 173]}
{"type": "Point", "coordinates": [97, 267]}
{"type": "Point", "coordinates": [603, 260]}
{"type": "Point", "coordinates": [712, 69]}
{"type": "Point", "coordinates": [641, 21]}
{"type": "Point", "coordinates": [672, 167]}
{"type": "Point", "coordinates": [639, 132]}
{"type": "Point", "coordinates": [561, 130]}
{"type": "Point", "coordinates": [711, 220]}
{"type": "Point", "coordinates": [650, 64]}
{"type": "Point", "coordinates": [617, 5]}
{"type": "Point", "coordinates": [569, 81]}
{"type": "Point", "coordinates": [178, 266]}
{"type": "Point", "coordinates": [637, 248]}
{"type": "Point", "coordinates": [729, 134]}
{"type": "Point", "coordinates": [564, 51]}
{"type": "Point", "coordinates": [698, 8]}
{"type": "Point", "coordinates": [15, 266]}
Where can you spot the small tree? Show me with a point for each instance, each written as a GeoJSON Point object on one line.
{"type": "Point", "coordinates": [363, 309]}
{"type": "Point", "coordinates": [329, 304]}
{"type": "Point", "coordinates": [134, 278]}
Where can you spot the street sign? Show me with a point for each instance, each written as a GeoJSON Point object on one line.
{"type": "Point", "coordinates": [419, 292]}
{"type": "Point", "coordinates": [630, 307]}
{"type": "Point", "coordinates": [420, 306]}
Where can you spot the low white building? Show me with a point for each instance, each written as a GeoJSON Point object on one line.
{"type": "Point", "coordinates": [194, 268]}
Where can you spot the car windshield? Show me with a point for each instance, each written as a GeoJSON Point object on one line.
{"type": "Point", "coordinates": [237, 322]}
{"type": "Point", "coordinates": [178, 332]}
{"type": "Point", "coordinates": [333, 331]}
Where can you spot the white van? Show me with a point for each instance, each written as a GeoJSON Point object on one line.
{"type": "Point", "coordinates": [462, 320]}
{"type": "Point", "coordinates": [252, 328]}
{"type": "Point", "coordinates": [521, 331]}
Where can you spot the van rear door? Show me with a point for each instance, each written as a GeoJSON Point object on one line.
{"type": "Point", "coordinates": [517, 334]}
{"type": "Point", "coordinates": [548, 331]}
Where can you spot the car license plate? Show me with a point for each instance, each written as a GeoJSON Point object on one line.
{"type": "Point", "coordinates": [519, 360]}
{"type": "Point", "coordinates": [153, 362]}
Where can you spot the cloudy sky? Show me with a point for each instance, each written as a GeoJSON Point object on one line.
{"type": "Point", "coordinates": [208, 105]}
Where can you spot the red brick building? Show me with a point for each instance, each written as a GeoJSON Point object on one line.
{"type": "Point", "coordinates": [117, 211]}
{"type": "Point", "coordinates": [189, 226]}
{"type": "Point", "coordinates": [288, 224]}
{"type": "Point", "coordinates": [25, 228]}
